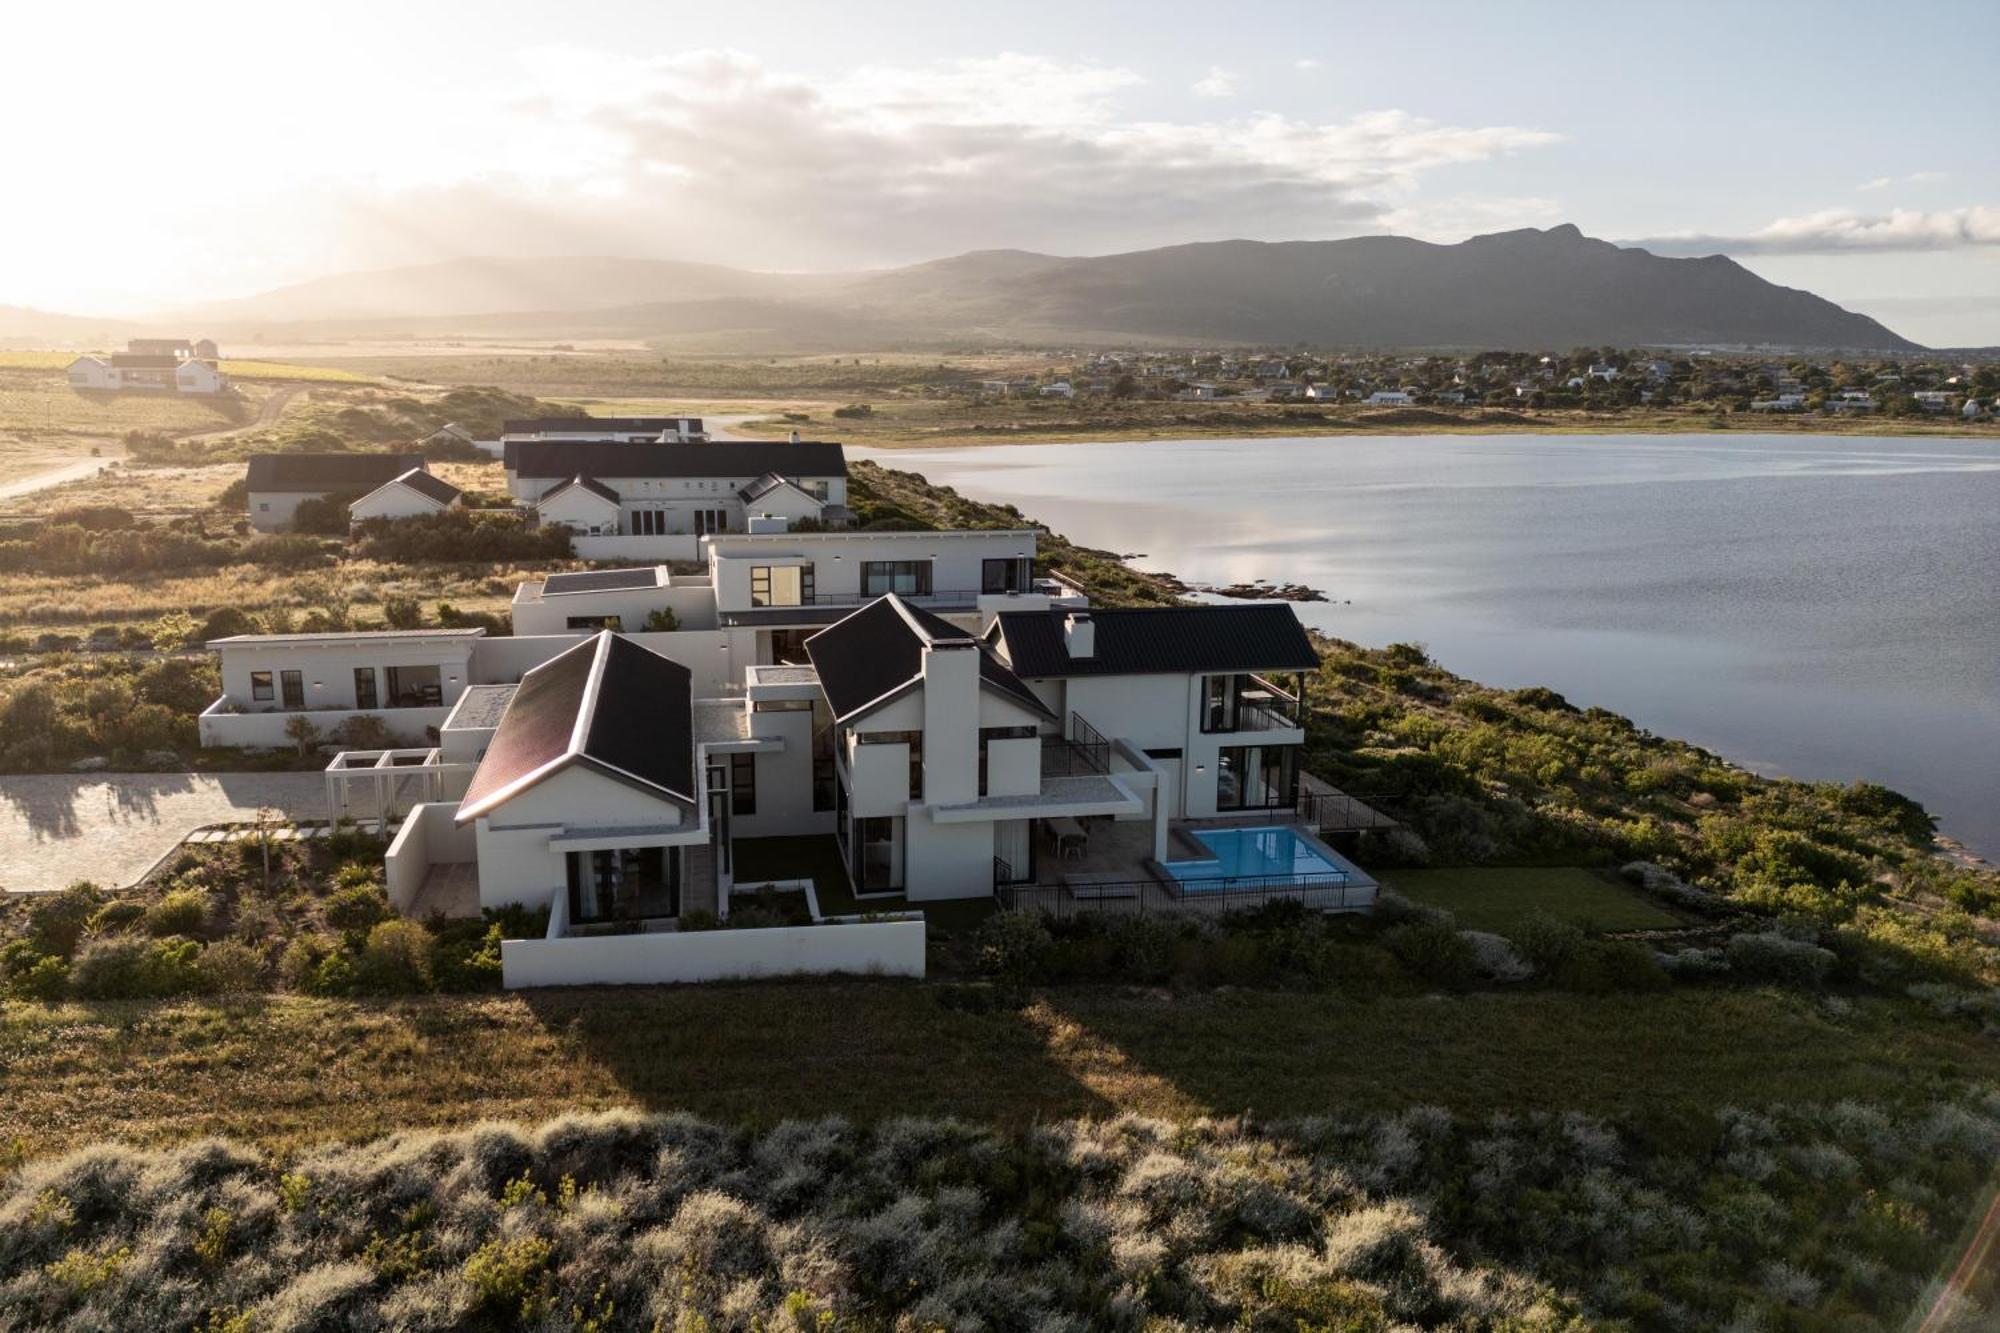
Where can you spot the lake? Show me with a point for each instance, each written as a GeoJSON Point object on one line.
{"type": "Point", "coordinates": [1819, 607]}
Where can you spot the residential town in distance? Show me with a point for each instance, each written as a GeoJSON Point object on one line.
{"type": "Point", "coordinates": [1596, 379]}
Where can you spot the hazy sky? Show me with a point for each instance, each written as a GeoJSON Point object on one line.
{"type": "Point", "coordinates": [175, 153]}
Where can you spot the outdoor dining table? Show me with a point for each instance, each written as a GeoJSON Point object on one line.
{"type": "Point", "coordinates": [1067, 831]}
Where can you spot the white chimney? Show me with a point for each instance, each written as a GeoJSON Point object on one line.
{"type": "Point", "coordinates": [951, 721]}
{"type": "Point", "coordinates": [795, 437]}
{"type": "Point", "coordinates": [1079, 635]}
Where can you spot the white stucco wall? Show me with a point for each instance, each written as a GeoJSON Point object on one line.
{"type": "Point", "coordinates": [945, 861]}
{"type": "Point", "coordinates": [394, 502]}
{"type": "Point", "coordinates": [582, 511]}
{"type": "Point", "coordinates": [876, 948]}
{"type": "Point", "coordinates": [693, 606]}
{"type": "Point", "coordinates": [666, 546]}
{"type": "Point", "coordinates": [516, 862]}
{"type": "Point", "coordinates": [429, 837]}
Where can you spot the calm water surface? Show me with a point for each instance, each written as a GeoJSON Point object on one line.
{"type": "Point", "coordinates": [1818, 607]}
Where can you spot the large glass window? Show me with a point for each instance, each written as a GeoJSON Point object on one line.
{"type": "Point", "coordinates": [742, 784]}
{"type": "Point", "coordinates": [1219, 705]}
{"type": "Point", "coordinates": [905, 578]}
{"type": "Point", "coordinates": [415, 687]}
{"type": "Point", "coordinates": [781, 585]}
{"type": "Point", "coordinates": [628, 883]}
{"type": "Point", "coordinates": [1253, 777]}
{"type": "Point", "coordinates": [878, 855]}
{"type": "Point", "coordinates": [1014, 575]}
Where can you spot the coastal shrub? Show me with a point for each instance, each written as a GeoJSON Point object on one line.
{"type": "Point", "coordinates": [230, 967]}
{"type": "Point", "coordinates": [357, 907]}
{"type": "Point", "coordinates": [1827, 1217]}
{"type": "Point", "coordinates": [1438, 952]}
{"type": "Point", "coordinates": [27, 974]}
{"type": "Point", "coordinates": [399, 958]}
{"type": "Point", "coordinates": [468, 956]}
{"type": "Point", "coordinates": [1014, 946]}
{"type": "Point", "coordinates": [178, 912]}
{"type": "Point", "coordinates": [1494, 957]}
{"type": "Point", "coordinates": [128, 967]}
{"type": "Point", "coordinates": [56, 922]}
{"type": "Point", "coordinates": [1548, 943]}
{"type": "Point", "coordinates": [1770, 956]}
{"type": "Point", "coordinates": [460, 535]}
{"type": "Point", "coordinates": [1695, 964]}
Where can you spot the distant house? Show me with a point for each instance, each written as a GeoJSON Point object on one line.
{"type": "Point", "coordinates": [598, 430]}
{"type": "Point", "coordinates": [1784, 402]}
{"type": "Point", "coordinates": [1285, 393]}
{"type": "Point", "coordinates": [1390, 398]}
{"type": "Point", "coordinates": [690, 490]}
{"type": "Point", "coordinates": [1932, 400]}
{"type": "Point", "coordinates": [452, 435]}
{"type": "Point", "coordinates": [413, 494]}
{"type": "Point", "coordinates": [1060, 389]}
{"type": "Point", "coordinates": [1201, 391]}
{"type": "Point", "coordinates": [1602, 371]}
{"type": "Point", "coordinates": [1851, 400]}
{"type": "Point", "coordinates": [1971, 409]}
{"type": "Point", "coordinates": [277, 483]}
{"type": "Point", "coordinates": [152, 364]}
{"type": "Point", "coordinates": [1322, 393]}
{"type": "Point", "coordinates": [195, 376]}
{"type": "Point", "coordinates": [583, 505]}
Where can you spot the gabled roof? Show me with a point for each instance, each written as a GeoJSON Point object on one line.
{"type": "Point", "coordinates": [608, 705]}
{"type": "Point", "coordinates": [591, 484]}
{"type": "Point", "coordinates": [877, 653]}
{"type": "Point", "coordinates": [1137, 641]}
{"type": "Point", "coordinates": [424, 484]}
{"type": "Point", "coordinates": [719, 458]}
{"type": "Point", "coordinates": [326, 472]}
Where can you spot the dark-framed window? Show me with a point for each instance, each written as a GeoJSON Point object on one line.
{"type": "Point", "coordinates": [364, 688]}
{"type": "Point", "coordinates": [781, 585]}
{"type": "Point", "coordinates": [1256, 777]}
{"type": "Point", "coordinates": [1219, 703]}
{"type": "Point", "coordinates": [905, 578]}
{"type": "Point", "coordinates": [710, 520]}
{"type": "Point", "coordinates": [742, 784]}
{"type": "Point", "coordinates": [293, 684]}
{"type": "Point", "coordinates": [261, 690]}
{"type": "Point", "coordinates": [649, 522]}
{"type": "Point", "coordinates": [612, 623]}
{"type": "Point", "coordinates": [1008, 575]}
{"type": "Point", "coordinates": [878, 859]}
{"type": "Point", "coordinates": [826, 770]}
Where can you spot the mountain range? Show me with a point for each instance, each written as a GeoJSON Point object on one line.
{"type": "Point", "coordinates": [1517, 289]}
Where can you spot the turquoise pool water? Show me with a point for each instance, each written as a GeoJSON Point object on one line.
{"type": "Point", "coordinates": [1250, 854]}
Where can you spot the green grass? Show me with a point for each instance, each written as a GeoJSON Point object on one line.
{"type": "Point", "coordinates": [1498, 897]}
{"type": "Point", "coordinates": [282, 1072]}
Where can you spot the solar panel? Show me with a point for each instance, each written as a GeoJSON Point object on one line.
{"type": "Point", "coordinates": [600, 580]}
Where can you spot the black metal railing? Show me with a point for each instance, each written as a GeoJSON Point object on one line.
{"type": "Point", "coordinates": [1337, 812]}
{"type": "Point", "coordinates": [1082, 750]}
{"type": "Point", "coordinates": [1331, 891]}
{"type": "Point", "coordinates": [1003, 874]}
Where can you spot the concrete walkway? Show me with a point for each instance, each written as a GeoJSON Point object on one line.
{"type": "Point", "coordinates": [110, 828]}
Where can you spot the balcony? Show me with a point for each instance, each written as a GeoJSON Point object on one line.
{"type": "Point", "coordinates": [1252, 703]}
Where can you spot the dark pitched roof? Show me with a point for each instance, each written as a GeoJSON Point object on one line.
{"type": "Point", "coordinates": [610, 425]}
{"type": "Point", "coordinates": [326, 472]}
{"type": "Point", "coordinates": [591, 484]}
{"type": "Point", "coordinates": [602, 580]}
{"type": "Point", "coordinates": [1134, 641]}
{"type": "Point", "coordinates": [879, 651]}
{"type": "Point", "coordinates": [424, 484]}
{"type": "Point", "coordinates": [718, 458]}
{"type": "Point", "coordinates": [607, 704]}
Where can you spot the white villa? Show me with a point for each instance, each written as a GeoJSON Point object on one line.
{"type": "Point", "coordinates": [651, 500]}
{"type": "Point", "coordinates": [598, 430]}
{"type": "Point", "coordinates": [172, 365]}
{"type": "Point", "coordinates": [277, 483]}
{"type": "Point", "coordinates": [414, 493]}
{"type": "Point", "coordinates": [956, 727]}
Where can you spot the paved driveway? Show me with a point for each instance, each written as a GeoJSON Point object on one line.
{"type": "Point", "coordinates": [110, 827]}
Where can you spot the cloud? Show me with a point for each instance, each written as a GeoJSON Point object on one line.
{"type": "Point", "coordinates": [1308, 63]}
{"type": "Point", "coordinates": [1914, 178]}
{"type": "Point", "coordinates": [1846, 231]}
{"type": "Point", "coordinates": [1218, 82]}
{"type": "Point", "coordinates": [713, 155]}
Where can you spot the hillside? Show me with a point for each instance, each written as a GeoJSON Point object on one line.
{"type": "Point", "coordinates": [1527, 288]}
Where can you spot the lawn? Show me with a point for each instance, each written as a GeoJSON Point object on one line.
{"type": "Point", "coordinates": [282, 1072]}
{"type": "Point", "coordinates": [1497, 898]}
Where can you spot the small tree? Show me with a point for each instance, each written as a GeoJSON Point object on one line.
{"type": "Point", "coordinates": [662, 621]}
{"type": "Point", "coordinates": [175, 629]}
{"type": "Point", "coordinates": [403, 613]}
{"type": "Point", "coordinates": [300, 729]}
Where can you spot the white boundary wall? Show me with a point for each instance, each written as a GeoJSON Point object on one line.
{"type": "Point", "coordinates": [429, 836]}
{"type": "Point", "coordinates": [893, 947]}
{"type": "Point", "coordinates": [636, 546]}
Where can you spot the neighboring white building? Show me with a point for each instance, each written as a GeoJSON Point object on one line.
{"type": "Point", "coordinates": [1321, 392]}
{"type": "Point", "coordinates": [414, 493]}
{"type": "Point", "coordinates": [676, 490]}
{"type": "Point", "coordinates": [1060, 389]}
{"type": "Point", "coordinates": [277, 483]}
{"type": "Point", "coordinates": [601, 430]}
{"type": "Point", "coordinates": [408, 678]}
{"type": "Point", "coordinates": [1390, 398]}
{"type": "Point", "coordinates": [153, 364]}
{"type": "Point", "coordinates": [1784, 402]}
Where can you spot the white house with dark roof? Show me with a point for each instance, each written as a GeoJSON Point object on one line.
{"type": "Point", "coordinates": [597, 430]}
{"type": "Point", "coordinates": [407, 678]}
{"type": "Point", "coordinates": [413, 493]}
{"type": "Point", "coordinates": [670, 493]}
{"type": "Point", "coordinates": [278, 483]}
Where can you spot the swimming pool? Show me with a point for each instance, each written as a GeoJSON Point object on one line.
{"type": "Point", "coordinates": [1246, 857]}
